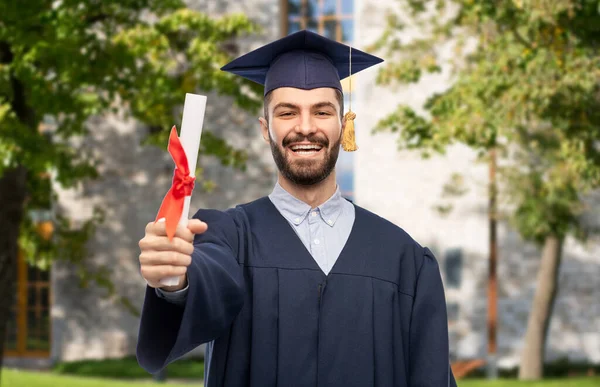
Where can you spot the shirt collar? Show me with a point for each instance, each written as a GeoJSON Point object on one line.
{"type": "Point", "coordinates": [295, 210]}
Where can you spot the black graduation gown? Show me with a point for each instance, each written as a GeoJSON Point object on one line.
{"type": "Point", "coordinates": [271, 317]}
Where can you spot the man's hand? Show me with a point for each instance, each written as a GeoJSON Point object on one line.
{"type": "Point", "coordinates": [161, 258]}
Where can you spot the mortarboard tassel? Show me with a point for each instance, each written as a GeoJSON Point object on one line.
{"type": "Point", "coordinates": [349, 137]}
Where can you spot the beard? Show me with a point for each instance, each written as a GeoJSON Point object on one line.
{"type": "Point", "coordinates": [305, 172]}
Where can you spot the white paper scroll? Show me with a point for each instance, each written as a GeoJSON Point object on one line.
{"type": "Point", "coordinates": [191, 131]}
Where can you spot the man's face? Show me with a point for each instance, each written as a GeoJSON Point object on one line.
{"type": "Point", "coordinates": [304, 132]}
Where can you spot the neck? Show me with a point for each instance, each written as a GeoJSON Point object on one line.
{"type": "Point", "coordinates": [313, 195]}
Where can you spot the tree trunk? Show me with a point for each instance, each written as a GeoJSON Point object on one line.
{"type": "Point", "coordinates": [532, 357]}
{"type": "Point", "coordinates": [12, 198]}
{"type": "Point", "coordinates": [13, 191]}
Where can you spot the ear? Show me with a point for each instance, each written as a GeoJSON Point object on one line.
{"type": "Point", "coordinates": [264, 128]}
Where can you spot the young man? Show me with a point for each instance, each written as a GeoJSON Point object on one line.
{"type": "Point", "coordinates": [300, 288]}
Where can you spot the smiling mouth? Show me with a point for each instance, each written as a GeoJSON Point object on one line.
{"type": "Point", "coordinates": [306, 149]}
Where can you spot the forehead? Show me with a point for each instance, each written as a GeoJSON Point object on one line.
{"type": "Point", "coordinates": [303, 97]}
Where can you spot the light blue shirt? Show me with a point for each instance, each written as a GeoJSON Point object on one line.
{"type": "Point", "coordinates": [323, 230]}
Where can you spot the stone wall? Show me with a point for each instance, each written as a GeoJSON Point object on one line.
{"type": "Point", "coordinates": [406, 189]}
{"type": "Point", "coordinates": [134, 181]}
{"type": "Point", "coordinates": [399, 186]}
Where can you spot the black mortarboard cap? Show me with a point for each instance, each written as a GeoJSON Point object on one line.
{"type": "Point", "coordinates": [304, 60]}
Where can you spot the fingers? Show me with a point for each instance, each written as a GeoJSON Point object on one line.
{"type": "Point", "coordinates": [161, 258]}
{"type": "Point", "coordinates": [170, 258]}
{"type": "Point", "coordinates": [160, 229]}
{"type": "Point", "coordinates": [162, 243]}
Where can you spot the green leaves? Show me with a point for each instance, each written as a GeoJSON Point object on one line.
{"type": "Point", "coordinates": [526, 81]}
{"type": "Point", "coordinates": [76, 59]}
{"type": "Point", "coordinates": [181, 53]}
{"type": "Point", "coordinates": [416, 133]}
{"type": "Point", "coordinates": [64, 62]}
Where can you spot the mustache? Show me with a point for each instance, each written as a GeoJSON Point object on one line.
{"type": "Point", "coordinates": [313, 138]}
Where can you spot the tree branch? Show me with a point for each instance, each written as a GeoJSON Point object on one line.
{"type": "Point", "coordinates": [6, 55]}
{"type": "Point", "coordinates": [96, 18]}
{"type": "Point", "coordinates": [18, 99]}
{"type": "Point", "coordinates": [19, 105]}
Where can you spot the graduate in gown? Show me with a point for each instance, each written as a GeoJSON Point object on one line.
{"type": "Point", "coordinates": [301, 287]}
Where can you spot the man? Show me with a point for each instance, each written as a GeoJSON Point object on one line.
{"type": "Point", "coordinates": [300, 288]}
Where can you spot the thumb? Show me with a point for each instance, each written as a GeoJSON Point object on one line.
{"type": "Point", "coordinates": [197, 226]}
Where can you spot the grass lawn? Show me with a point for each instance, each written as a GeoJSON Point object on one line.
{"type": "Point", "coordinates": [128, 368]}
{"type": "Point", "coordinates": [574, 382]}
{"type": "Point", "coordinates": [12, 378]}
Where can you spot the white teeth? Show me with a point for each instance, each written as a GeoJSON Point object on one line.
{"type": "Point", "coordinates": [306, 147]}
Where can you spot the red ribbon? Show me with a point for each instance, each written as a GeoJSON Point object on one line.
{"type": "Point", "coordinates": [182, 186]}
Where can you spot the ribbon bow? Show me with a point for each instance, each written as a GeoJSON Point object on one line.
{"type": "Point", "coordinates": [182, 186]}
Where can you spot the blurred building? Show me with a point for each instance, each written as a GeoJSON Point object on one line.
{"type": "Point", "coordinates": [54, 320]}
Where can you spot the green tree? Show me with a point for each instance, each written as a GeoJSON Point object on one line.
{"type": "Point", "coordinates": [525, 85]}
{"type": "Point", "coordinates": [72, 59]}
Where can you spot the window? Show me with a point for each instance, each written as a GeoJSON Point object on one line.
{"type": "Point", "coordinates": [345, 165]}
{"type": "Point", "coordinates": [331, 18]}
{"type": "Point", "coordinates": [28, 330]}
{"type": "Point", "coordinates": [453, 267]}
{"type": "Point", "coordinates": [453, 310]}
{"type": "Point", "coordinates": [335, 20]}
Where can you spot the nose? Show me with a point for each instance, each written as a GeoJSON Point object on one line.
{"type": "Point", "coordinates": [306, 126]}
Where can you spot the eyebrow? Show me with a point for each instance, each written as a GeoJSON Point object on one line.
{"type": "Point", "coordinates": [324, 104]}
{"type": "Point", "coordinates": [318, 105]}
{"type": "Point", "coordinates": [285, 105]}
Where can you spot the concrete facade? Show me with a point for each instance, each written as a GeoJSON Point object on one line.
{"type": "Point", "coordinates": [399, 186]}
{"type": "Point", "coordinates": [134, 181]}
{"type": "Point", "coordinates": [406, 189]}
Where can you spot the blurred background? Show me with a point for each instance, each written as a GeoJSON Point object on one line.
{"type": "Point", "coordinates": [479, 135]}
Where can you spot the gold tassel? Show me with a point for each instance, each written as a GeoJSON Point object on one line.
{"type": "Point", "coordinates": [349, 139]}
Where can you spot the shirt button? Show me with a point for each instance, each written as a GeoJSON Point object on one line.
{"type": "Point", "coordinates": [297, 220]}
{"type": "Point", "coordinates": [314, 213]}
{"type": "Point", "coordinates": [330, 221]}
{"type": "Point", "coordinates": [317, 241]}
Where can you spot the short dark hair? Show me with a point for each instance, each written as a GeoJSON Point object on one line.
{"type": "Point", "coordinates": [338, 94]}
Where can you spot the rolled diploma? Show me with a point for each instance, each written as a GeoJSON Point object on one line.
{"type": "Point", "coordinates": [191, 131]}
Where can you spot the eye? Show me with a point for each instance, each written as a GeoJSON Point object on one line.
{"type": "Point", "coordinates": [323, 113]}
{"type": "Point", "coordinates": [285, 114]}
